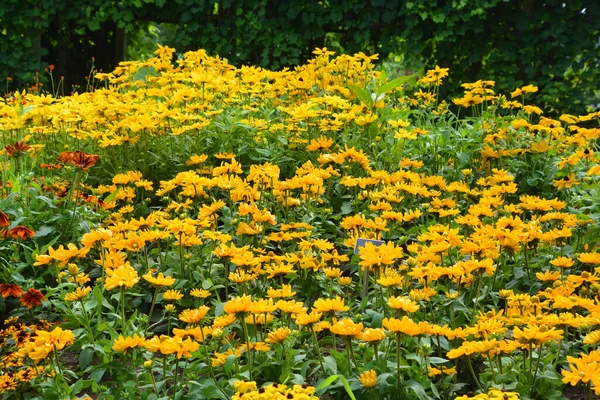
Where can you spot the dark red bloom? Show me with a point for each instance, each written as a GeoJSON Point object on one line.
{"type": "Point", "coordinates": [16, 149]}
{"type": "Point", "coordinates": [4, 221]}
{"type": "Point", "coordinates": [32, 298]}
{"type": "Point", "coordinates": [79, 159]}
{"type": "Point", "coordinates": [10, 289]}
{"type": "Point", "coordinates": [50, 167]}
{"type": "Point", "coordinates": [21, 232]}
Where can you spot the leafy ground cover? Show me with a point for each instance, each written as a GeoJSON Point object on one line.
{"type": "Point", "coordinates": [189, 230]}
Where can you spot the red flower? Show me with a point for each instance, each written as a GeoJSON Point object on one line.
{"type": "Point", "coordinates": [50, 167]}
{"type": "Point", "coordinates": [32, 298]}
{"type": "Point", "coordinates": [4, 221]}
{"type": "Point", "coordinates": [79, 159]}
{"type": "Point", "coordinates": [10, 289]}
{"type": "Point", "coordinates": [21, 232]}
{"type": "Point", "coordinates": [16, 149]}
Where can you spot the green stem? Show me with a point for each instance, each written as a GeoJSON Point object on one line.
{"type": "Point", "coordinates": [473, 373]}
{"type": "Point", "coordinates": [209, 364]}
{"type": "Point", "coordinates": [398, 360]}
{"type": "Point", "coordinates": [537, 367]}
{"type": "Point", "coordinates": [165, 371]}
{"type": "Point", "coordinates": [122, 309]}
{"type": "Point", "coordinates": [247, 345]}
{"type": "Point", "coordinates": [87, 321]}
{"type": "Point", "coordinates": [152, 308]}
{"type": "Point", "coordinates": [319, 355]}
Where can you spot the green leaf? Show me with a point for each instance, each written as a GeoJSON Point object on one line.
{"type": "Point", "coordinates": [329, 381]}
{"type": "Point", "coordinates": [229, 361]}
{"type": "Point", "coordinates": [77, 386]}
{"type": "Point", "coordinates": [391, 85]}
{"type": "Point", "coordinates": [97, 374]}
{"type": "Point", "coordinates": [112, 196]}
{"type": "Point", "coordinates": [362, 94]}
{"type": "Point", "coordinates": [347, 387]}
{"type": "Point", "coordinates": [85, 357]}
{"type": "Point", "coordinates": [330, 364]}
{"type": "Point", "coordinates": [418, 389]}
{"type": "Point", "coordinates": [326, 383]}
{"type": "Point", "coordinates": [44, 231]}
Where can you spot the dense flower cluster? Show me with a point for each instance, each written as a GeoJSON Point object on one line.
{"type": "Point", "coordinates": [235, 204]}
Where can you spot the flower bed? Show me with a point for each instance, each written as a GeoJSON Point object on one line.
{"type": "Point", "coordinates": [197, 230]}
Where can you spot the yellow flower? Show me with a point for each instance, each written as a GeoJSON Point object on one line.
{"type": "Point", "coordinates": [589, 258]}
{"type": "Point", "coordinates": [170, 308]}
{"type": "Point", "coordinates": [130, 342]}
{"type": "Point", "coordinates": [160, 279]}
{"type": "Point", "coordinates": [440, 371]}
{"type": "Point", "coordinates": [584, 369]}
{"type": "Point", "coordinates": [80, 293]}
{"type": "Point", "coordinates": [278, 335]}
{"type": "Point", "coordinates": [199, 293]}
{"type": "Point", "coordinates": [386, 254]}
{"type": "Point", "coordinates": [562, 262]}
{"type": "Point", "coordinates": [403, 303]}
{"type": "Point", "coordinates": [123, 276]}
{"type": "Point", "coordinates": [345, 280]}
{"type": "Point", "coordinates": [284, 292]}
{"type": "Point", "coordinates": [592, 337]}
{"type": "Point", "coordinates": [368, 378]}
{"type": "Point", "coordinates": [326, 305]}
{"type": "Point", "coordinates": [346, 327]}
{"type": "Point", "coordinates": [405, 325]}
{"type": "Point", "coordinates": [193, 316]}
{"type": "Point", "coordinates": [237, 305]}
{"type": "Point", "coordinates": [176, 345]}
{"type": "Point", "coordinates": [371, 335]}
{"type": "Point", "coordinates": [172, 295]}
{"type": "Point", "coordinates": [308, 319]}
{"type": "Point", "coordinates": [244, 386]}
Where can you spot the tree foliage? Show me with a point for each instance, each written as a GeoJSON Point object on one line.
{"type": "Point", "coordinates": [553, 43]}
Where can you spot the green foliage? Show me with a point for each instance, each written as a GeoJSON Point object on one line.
{"type": "Point", "coordinates": [553, 45]}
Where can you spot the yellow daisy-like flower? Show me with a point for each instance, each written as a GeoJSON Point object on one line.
{"type": "Point", "coordinates": [278, 335]}
{"type": "Point", "coordinates": [345, 280]}
{"type": "Point", "coordinates": [592, 337]}
{"type": "Point", "coordinates": [589, 258]}
{"type": "Point", "coordinates": [199, 293]}
{"type": "Point", "coordinates": [440, 371]}
{"type": "Point", "coordinates": [346, 327]}
{"type": "Point", "coordinates": [403, 303]}
{"type": "Point", "coordinates": [122, 344]}
{"type": "Point", "coordinates": [562, 262]}
{"type": "Point", "coordinates": [371, 335]}
{"type": "Point", "coordinates": [405, 325]}
{"type": "Point", "coordinates": [244, 386]}
{"type": "Point", "coordinates": [368, 378]}
{"type": "Point", "coordinates": [193, 316]}
{"type": "Point", "coordinates": [537, 334]}
{"type": "Point", "coordinates": [123, 276]}
{"type": "Point", "coordinates": [80, 293]}
{"type": "Point", "coordinates": [237, 305]}
{"type": "Point", "coordinates": [170, 308]}
{"type": "Point", "coordinates": [308, 319]}
{"type": "Point", "coordinates": [172, 295]}
{"type": "Point", "coordinates": [326, 305]}
{"type": "Point", "coordinates": [159, 280]}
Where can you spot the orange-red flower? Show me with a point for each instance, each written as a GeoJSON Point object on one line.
{"type": "Point", "coordinates": [21, 232]}
{"type": "Point", "coordinates": [4, 221]}
{"type": "Point", "coordinates": [16, 149]}
{"type": "Point", "coordinates": [32, 298]}
{"type": "Point", "coordinates": [79, 159]}
{"type": "Point", "coordinates": [10, 289]}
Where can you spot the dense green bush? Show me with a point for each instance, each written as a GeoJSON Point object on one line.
{"type": "Point", "coordinates": [553, 44]}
